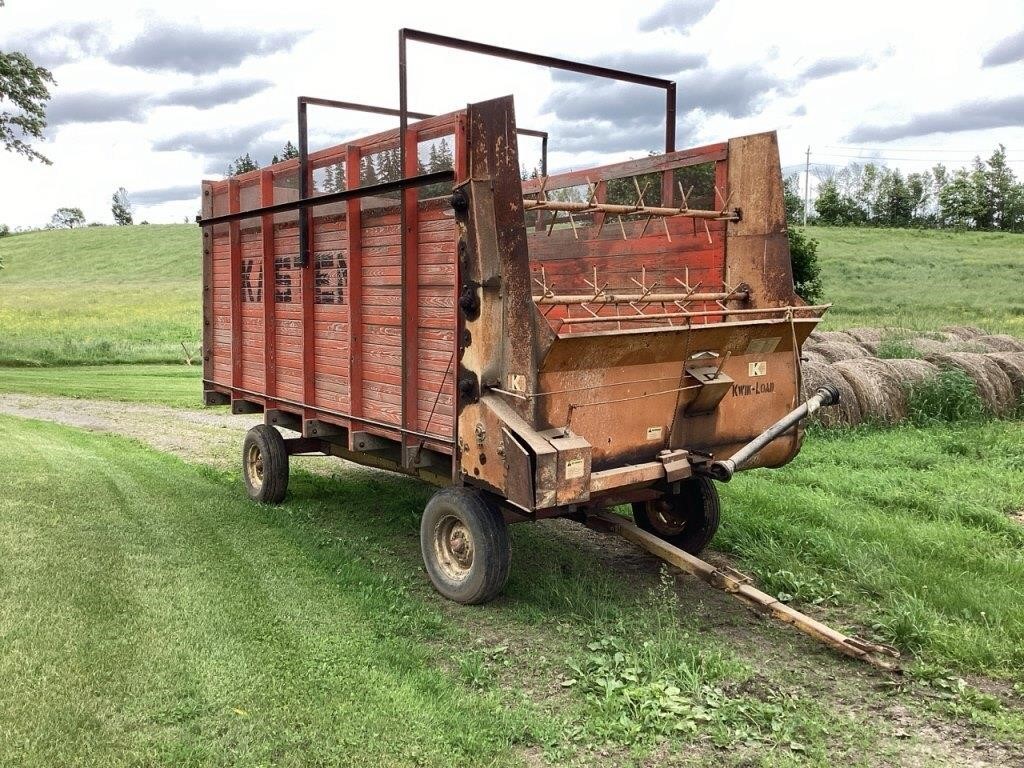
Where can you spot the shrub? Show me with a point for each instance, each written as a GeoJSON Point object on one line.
{"type": "Point", "coordinates": [4, 230]}
{"type": "Point", "coordinates": [950, 396]}
{"type": "Point", "coordinates": [895, 347]}
{"type": "Point", "coordinates": [803, 252]}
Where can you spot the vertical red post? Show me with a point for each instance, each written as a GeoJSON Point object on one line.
{"type": "Point", "coordinates": [208, 313]}
{"type": "Point", "coordinates": [235, 265]}
{"type": "Point", "coordinates": [410, 289]}
{"type": "Point", "coordinates": [307, 296]}
{"type": "Point", "coordinates": [460, 150]}
{"type": "Point", "coordinates": [269, 309]}
{"type": "Point", "coordinates": [354, 232]}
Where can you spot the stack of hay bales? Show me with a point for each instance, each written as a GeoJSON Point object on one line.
{"type": "Point", "coordinates": [998, 343]}
{"type": "Point", "coordinates": [847, 412]}
{"type": "Point", "coordinates": [834, 346]}
{"type": "Point", "coordinates": [873, 389]}
{"type": "Point", "coordinates": [880, 395]}
{"type": "Point", "coordinates": [1012, 364]}
{"type": "Point", "coordinates": [964, 332]}
{"type": "Point", "coordinates": [869, 338]}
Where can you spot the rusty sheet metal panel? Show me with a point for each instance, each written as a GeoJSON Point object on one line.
{"type": "Point", "coordinates": [758, 246]}
{"type": "Point", "coordinates": [626, 393]}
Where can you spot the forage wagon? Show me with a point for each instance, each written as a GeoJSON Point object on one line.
{"type": "Point", "coordinates": [551, 347]}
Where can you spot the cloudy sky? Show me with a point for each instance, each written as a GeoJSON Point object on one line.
{"type": "Point", "coordinates": [155, 96]}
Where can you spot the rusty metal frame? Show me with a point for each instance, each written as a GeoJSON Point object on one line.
{"type": "Point", "coordinates": [405, 35]}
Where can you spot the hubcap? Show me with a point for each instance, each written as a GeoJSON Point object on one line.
{"type": "Point", "coordinates": [453, 547]}
{"type": "Point", "coordinates": [254, 465]}
{"type": "Point", "coordinates": [666, 520]}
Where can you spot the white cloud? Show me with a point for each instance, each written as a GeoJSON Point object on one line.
{"type": "Point", "coordinates": [156, 97]}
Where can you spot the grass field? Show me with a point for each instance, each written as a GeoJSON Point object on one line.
{"type": "Point", "coordinates": [100, 295]}
{"type": "Point", "coordinates": [149, 614]}
{"type": "Point", "coordinates": [175, 385]}
{"type": "Point", "coordinates": [131, 294]}
{"type": "Point", "coordinates": [921, 279]}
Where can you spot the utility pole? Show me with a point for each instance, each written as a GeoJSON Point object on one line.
{"type": "Point", "coordinates": [807, 183]}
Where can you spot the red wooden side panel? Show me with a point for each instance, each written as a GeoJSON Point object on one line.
{"type": "Point", "coordinates": [435, 373]}
{"type": "Point", "coordinates": [382, 315]}
{"type": "Point", "coordinates": [288, 312]}
{"type": "Point", "coordinates": [252, 309]}
{"type": "Point", "coordinates": [329, 245]}
{"type": "Point", "coordinates": [221, 304]}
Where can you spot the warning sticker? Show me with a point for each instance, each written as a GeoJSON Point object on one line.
{"type": "Point", "coordinates": [574, 468]}
{"type": "Point", "coordinates": [763, 346]}
{"type": "Point", "coordinates": [760, 368]}
{"type": "Point", "coordinates": [654, 433]}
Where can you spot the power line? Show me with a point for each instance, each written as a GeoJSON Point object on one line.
{"type": "Point", "coordinates": [908, 149]}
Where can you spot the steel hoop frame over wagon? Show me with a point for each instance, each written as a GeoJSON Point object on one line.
{"type": "Point", "coordinates": [553, 347]}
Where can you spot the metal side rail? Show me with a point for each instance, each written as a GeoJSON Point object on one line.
{"type": "Point", "coordinates": [739, 585]}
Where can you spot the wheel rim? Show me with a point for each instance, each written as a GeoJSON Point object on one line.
{"type": "Point", "coordinates": [453, 547]}
{"type": "Point", "coordinates": [254, 466]}
{"type": "Point", "coordinates": [665, 520]}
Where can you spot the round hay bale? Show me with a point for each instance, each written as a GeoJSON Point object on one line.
{"type": "Point", "coordinates": [836, 336]}
{"type": "Point", "coordinates": [866, 335]}
{"type": "Point", "coordinates": [1000, 342]}
{"type": "Point", "coordinates": [812, 356]}
{"type": "Point", "coordinates": [964, 332]}
{"type": "Point", "coordinates": [834, 351]}
{"type": "Point", "coordinates": [991, 383]}
{"type": "Point", "coordinates": [911, 372]}
{"type": "Point", "coordinates": [924, 346]}
{"type": "Point", "coordinates": [1012, 364]}
{"type": "Point", "coordinates": [847, 411]}
{"type": "Point", "coordinates": [879, 393]}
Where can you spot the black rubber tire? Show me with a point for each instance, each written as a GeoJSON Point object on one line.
{"type": "Point", "coordinates": [476, 520]}
{"type": "Point", "coordinates": [269, 483]}
{"type": "Point", "coordinates": [695, 509]}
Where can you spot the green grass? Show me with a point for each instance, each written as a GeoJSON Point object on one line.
{"type": "Point", "coordinates": [150, 614]}
{"type": "Point", "coordinates": [100, 295]}
{"type": "Point", "coordinates": [907, 532]}
{"type": "Point", "coordinates": [921, 279]}
{"type": "Point", "coordinates": [175, 385]}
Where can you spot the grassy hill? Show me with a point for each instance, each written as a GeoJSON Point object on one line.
{"type": "Point", "coordinates": [131, 294]}
{"type": "Point", "coordinates": [922, 279]}
{"type": "Point", "coordinates": [100, 295]}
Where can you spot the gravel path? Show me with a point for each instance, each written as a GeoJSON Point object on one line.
{"type": "Point", "coordinates": [209, 436]}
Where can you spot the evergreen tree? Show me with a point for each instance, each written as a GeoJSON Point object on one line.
{"type": "Point", "coordinates": [367, 173]}
{"type": "Point", "coordinates": [243, 164]}
{"type": "Point", "coordinates": [290, 151]}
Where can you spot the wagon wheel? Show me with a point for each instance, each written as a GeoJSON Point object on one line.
{"type": "Point", "coordinates": [687, 520]}
{"type": "Point", "coordinates": [265, 465]}
{"type": "Point", "coordinates": [465, 546]}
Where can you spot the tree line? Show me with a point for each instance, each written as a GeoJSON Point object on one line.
{"type": "Point", "coordinates": [984, 196]}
